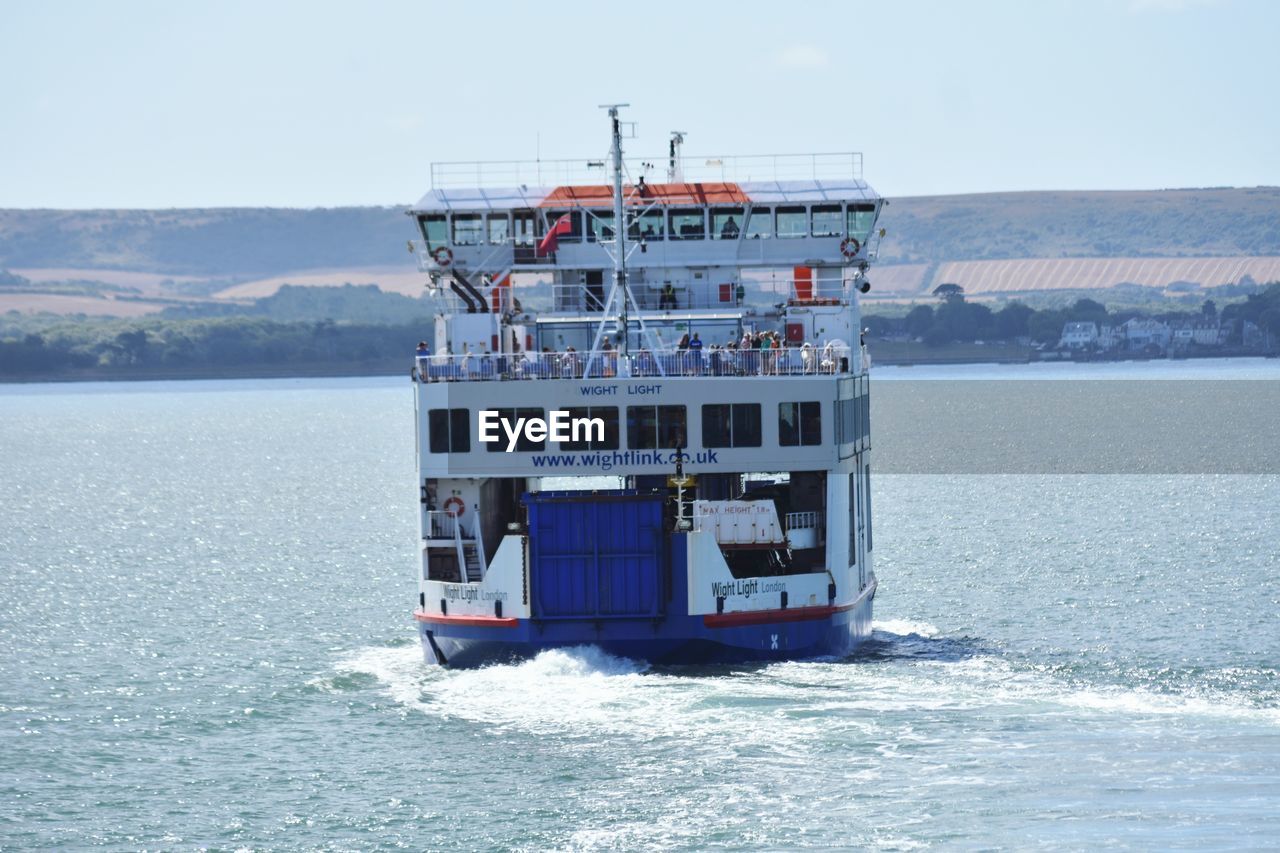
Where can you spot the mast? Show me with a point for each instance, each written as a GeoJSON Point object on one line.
{"type": "Point", "coordinates": [620, 234]}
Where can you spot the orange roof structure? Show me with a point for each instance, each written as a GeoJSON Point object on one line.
{"type": "Point", "coordinates": [601, 196]}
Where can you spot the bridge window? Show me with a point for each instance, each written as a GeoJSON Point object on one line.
{"type": "Point", "coordinates": [726, 223]}
{"type": "Point", "coordinates": [652, 427]}
{"type": "Point", "coordinates": [799, 424]}
{"type": "Point", "coordinates": [467, 229]}
{"type": "Point", "coordinates": [450, 430]}
{"type": "Point", "coordinates": [522, 228]}
{"type": "Point", "coordinates": [760, 224]}
{"type": "Point", "coordinates": [860, 219]}
{"type": "Point", "coordinates": [523, 444]}
{"type": "Point", "coordinates": [575, 225]}
{"type": "Point", "coordinates": [688, 224]}
{"type": "Point", "coordinates": [792, 222]}
{"type": "Point", "coordinates": [826, 220]}
{"type": "Point", "coordinates": [648, 226]}
{"type": "Point", "coordinates": [608, 414]}
{"type": "Point", "coordinates": [600, 226]}
{"type": "Point", "coordinates": [499, 229]}
{"type": "Point", "coordinates": [731, 425]}
{"type": "Point", "coordinates": [434, 229]}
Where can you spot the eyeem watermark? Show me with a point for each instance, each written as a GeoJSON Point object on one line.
{"type": "Point", "coordinates": [559, 427]}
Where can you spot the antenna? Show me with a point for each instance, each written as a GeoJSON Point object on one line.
{"type": "Point", "coordinates": [675, 169]}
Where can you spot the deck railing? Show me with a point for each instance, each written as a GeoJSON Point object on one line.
{"type": "Point", "coordinates": [605, 364]}
{"type": "Point", "coordinates": [694, 168]}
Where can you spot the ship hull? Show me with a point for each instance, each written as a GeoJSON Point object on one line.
{"type": "Point", "coordinates": [796, 634]}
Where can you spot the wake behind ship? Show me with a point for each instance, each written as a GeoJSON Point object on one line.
{"type": "Point", "coordinates": [703, 330]}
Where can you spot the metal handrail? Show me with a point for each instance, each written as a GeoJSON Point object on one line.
{"type": "Point", "coordinates": [695, 169]}
{"type": "Point", "coordinates": [650, 296]}
{"type": "Point", "coordinates": [828, 359]}
{"type": "Point", "coordinates": [807, 520]}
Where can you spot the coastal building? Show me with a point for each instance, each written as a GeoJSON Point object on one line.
{"type": "Point", "coordinates": [1141, 333]}
{"type": "Point", "coordinates": [1079, 335]}
{"type": "Point", "coordinates": [1109, 338]}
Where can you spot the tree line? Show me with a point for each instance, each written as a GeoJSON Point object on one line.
{"type": "Point", "coordinates": [955, 319]}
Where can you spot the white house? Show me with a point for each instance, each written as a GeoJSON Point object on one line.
{"type": "Point", "coordinates": [1140, 333]}
{"type": "Point", "coordinates": [1079, 335]}
{"type": "Point", "coordinates": [1207, 334]}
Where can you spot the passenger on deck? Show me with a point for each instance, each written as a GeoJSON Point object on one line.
{"type": "Point", "coordinates": [668, 298]}
{"type": "Point", "coordinates": [423, 350]}
{"type": "Point", "coordinates": [610, 360]}
{"type": "Point", "coordinates": [730, 230]}
{"type": "Point", "coordinates": [695, 353]}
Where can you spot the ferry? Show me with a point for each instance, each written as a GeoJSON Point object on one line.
{"type": "Point", "coordinates": [669, 354]}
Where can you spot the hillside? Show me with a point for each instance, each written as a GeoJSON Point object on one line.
{"type": "Point", "coordinates": [129, 262]}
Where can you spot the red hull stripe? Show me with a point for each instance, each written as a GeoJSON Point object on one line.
{"type": "Point", "coordinates": [469, 621]}
{"type": "Point", "coordinates": [764, 617]}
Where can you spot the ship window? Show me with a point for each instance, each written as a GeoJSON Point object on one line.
{"type": "Point", "coordinates": [575, 225]}
{"type": "Point", "coordinates": [511, 416]}
{"type": "Point", "coordinates": [600, 226]}
{"type": "Point", "coordinates": [648, 226]}
{"type": "Point", "coordinates": [651, 427]}
{"type": "Point", "coordinates": [826, 220]}
{"type": "Point", "coordinates": [434, 229]}
{"type": "Point", "coordinates": [726, 223]}
{"type": "Point", "coordinates": [846, 421]}
{"type": "Point", "coordinates": [499, 228]}
{"type": "Point", "coordinates": [860, 219]}
{"type": "Point", "coordinates": [866, 409]}
{"type": "Point", "coordinates": [467, 229]}
{"type": "Point", "coordinates": [608, 414]}
{"type": "Point", "coordinates": [731, 425]}
{"type": "Point", "coordinates": [760, 224]}
{"type": "Point", "coordinates": [450, 430]}
{"type": "Point", "coordinates": [522, 228]}
{"type": "Point", "coordinates": [791, 222]}
{"type": "Point", "coordinates": [799, 424]}
{"type": "Point", "coordinates": [853, 518]}
{"type": "Point", "coordinates": [866, 490]}
{"type": "Point", "coordinates": [688, 224]}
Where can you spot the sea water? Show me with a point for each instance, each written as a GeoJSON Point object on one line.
{"type": "Point", "coordinates": [205, 641]}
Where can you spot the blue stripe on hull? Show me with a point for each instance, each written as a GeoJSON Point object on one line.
{"type": "Point", "coordinates": [670, 640]}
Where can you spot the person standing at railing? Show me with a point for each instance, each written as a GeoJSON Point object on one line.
{"type": "Point", "coordinates": [464, 363]}
{"type": "Point", "coordinates": [695, 353]}
{"type": "Point", "coordinates": [610, 367]}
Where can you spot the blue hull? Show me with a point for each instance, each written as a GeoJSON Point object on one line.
{"type": "Point", "coordinates": [666, 640]}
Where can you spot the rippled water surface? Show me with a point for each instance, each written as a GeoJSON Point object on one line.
{"type": "Point", "coordinates": [205, 642]}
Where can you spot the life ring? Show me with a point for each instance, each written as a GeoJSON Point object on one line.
{"type": "Point", "coordinates": [849, 247]}
{"type": "Point", "coordinates": [455, 507]}
{"type": "Point", "coordinates": [443, 256]}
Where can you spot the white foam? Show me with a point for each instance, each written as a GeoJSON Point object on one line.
{"type": "Point", "coordinates": [905, 627]}
{"type": "Point", "coordinates": [583, 691]}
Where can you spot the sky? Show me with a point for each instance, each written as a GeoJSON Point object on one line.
{"type": "Point", "coordinates": [324, 104]}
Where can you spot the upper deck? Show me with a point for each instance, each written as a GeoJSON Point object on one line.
{"type": "Point", "coordinates": [761, 211]}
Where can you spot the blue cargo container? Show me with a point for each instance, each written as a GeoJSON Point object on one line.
{"type": "Point", "coordinates": [596, 555]}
